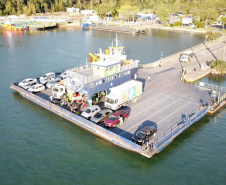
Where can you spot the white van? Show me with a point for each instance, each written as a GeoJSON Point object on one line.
{"type": "Point", "coordinates": [186, 56]}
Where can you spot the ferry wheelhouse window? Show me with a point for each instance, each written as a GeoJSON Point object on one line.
{"type": "Point", "coordinates": [107, 79]}
{"type": "Point", "coordinates": [115, 77]}
{"type": "Point", "coordinates": [103, 80]}
{"type": "Point", "coordinates": [111, 78]}
{"type": "Point", "coordinates": [96, 83]}
{"type": "Point", "coordinates": [125, 73]}
{"type": "Point", "coordinates": [119, 75]}
{"type": "Point", "coordinates": [91, 85]}
{"type": "Point", "coordinates": [99, 82]}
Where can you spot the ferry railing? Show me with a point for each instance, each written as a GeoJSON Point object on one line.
{"type": "Point", "coordinates": [165, 138]}
{"type": "Point", "coordinates": [78, 120]}
{"type": "Point", "coordinates": [220, 99]}
{"type": "Point", "coordinates": [209, 86]}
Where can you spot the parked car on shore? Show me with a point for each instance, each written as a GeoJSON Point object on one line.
{"type": "Point", "coordinates": [36, 88]}
{"type": "Point", "coordinates": [46, 78]}
{"type": "Point", "coordinates": [114, 119]}
{"type": "Point", "coordinates": [144, 134]}
{"type": "Point", "coordinates": [27, 83]}
{"type": "Point", "coordinates": [101, 116]}
{"type": "Point", "coordinates": [186, 56]}
{"type": "Point", "coordinates": [90, 112]}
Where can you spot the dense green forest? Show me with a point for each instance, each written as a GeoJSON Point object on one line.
{"type": "Point", "coordinates": [203, 9]}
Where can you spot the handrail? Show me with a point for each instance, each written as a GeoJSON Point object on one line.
{"type": "Point", "coordinates": [177, 128]}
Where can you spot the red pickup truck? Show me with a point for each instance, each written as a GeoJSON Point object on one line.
{"type": "Point", "coordinates": [114, 119]}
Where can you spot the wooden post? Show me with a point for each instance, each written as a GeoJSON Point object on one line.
{"type": "Point", "coordinates": [224, 51]}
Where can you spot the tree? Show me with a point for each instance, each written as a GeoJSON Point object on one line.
{"type": "Point", "coordinates": [103, 10]}
{"type": "Point", "coordinates": [162, 13]}
{"type": "Point", "coordinates": [128, 11]}
{"type": "Point", "coordinates": [223, 19]}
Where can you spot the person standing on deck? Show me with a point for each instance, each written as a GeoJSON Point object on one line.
{"type": "Point", "coordinates": [149, 78]}
{"type": "Point", "coordinates": [135, 76]}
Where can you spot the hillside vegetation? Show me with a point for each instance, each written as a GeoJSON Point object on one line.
{"type": "Point", "coordinates": [203, 9]}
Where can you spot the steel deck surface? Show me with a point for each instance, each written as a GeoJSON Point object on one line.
{"type": "Point", "coordinates": [165, 101]}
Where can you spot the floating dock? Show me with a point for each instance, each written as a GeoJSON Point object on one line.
{"type": "Point", "coordinates": [130, 30]}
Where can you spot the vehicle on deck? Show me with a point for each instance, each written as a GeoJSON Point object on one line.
{"type": "Point", "coordinates": [124, 94]}
{"type": "Point", "coordinates": [186, 56]}
{"type": "Point", "coordinates": [59, 92]}
{"type": "Point", "coordinates": [144, 134]}
{"type": "Point", "coordinates": [36, 88]}
{"type": "Point", "coordinates": [90, 112]}
{"type": "Point", "coordinates": [27, 83]}
{"type": "Point", "coordinates": [52, 82]}
{"type": "Point", "coordinates": [46, 78]}
{"type": "Point", "coordinates": [115, 118]}
{"type": "Point", "coordinates": [101, 116]}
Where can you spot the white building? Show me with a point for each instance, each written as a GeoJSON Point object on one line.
{"type": "Point", "coordinates": [87, 12]}
{"type": "Point", "coordinates": [187, 20]}
{"type": "Point", "coordinates": [73, 10]}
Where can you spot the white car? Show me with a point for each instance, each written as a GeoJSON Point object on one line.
{"type": "Point", "coordinates": [36, 88]}
{"type": "Point", "coordinates": [27, 83]}
{"type": "Point", "coordinates": [46, 78]}
{"type": "Point", "coordinates": [90, 112]}
{"type": "Point", "coordinates": [52, 82]}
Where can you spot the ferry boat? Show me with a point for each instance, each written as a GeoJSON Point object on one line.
{"type": "Point", "coordinates": [151, 107]}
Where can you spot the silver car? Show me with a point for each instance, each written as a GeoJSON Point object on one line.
{"type": "Point", "coordinates": [90, 112]}
{"type": "Point", "coordinates": [101, 116]}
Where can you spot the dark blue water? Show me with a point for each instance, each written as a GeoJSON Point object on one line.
{"type": "Point", "coordinates": [38, 147]}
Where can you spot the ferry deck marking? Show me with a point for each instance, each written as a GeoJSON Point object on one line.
{"type": "Point", "coordinates": [145, 109]}
{"type": "Point", "coordinates": [149, 116]}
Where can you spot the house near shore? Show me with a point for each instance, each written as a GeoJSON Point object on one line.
{"type": "Point", "coordinates": [87, 12]}
{"type": "Point", "coordinates": [186, 21]}
{"type": "Point", "coordinates": [73, 10]}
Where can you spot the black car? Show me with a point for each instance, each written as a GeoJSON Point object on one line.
{"type": "Point", "coordinates": [144, 134]}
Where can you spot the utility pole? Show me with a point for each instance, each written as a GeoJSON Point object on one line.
{"type": "Point", "coordinates": [160, 63]}
{"type": "Point", "coordinates": [224, 50]}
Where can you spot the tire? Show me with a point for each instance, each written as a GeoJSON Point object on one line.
{"type": "Point", "coordinates": [64, 96]}
{"type": "Point", "coordinates": [134, 100]}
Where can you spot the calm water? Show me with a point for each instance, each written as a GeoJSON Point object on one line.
{"type": "Point", "coordinates": [38, 147]}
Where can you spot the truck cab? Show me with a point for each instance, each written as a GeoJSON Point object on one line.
{"type": "Point", "coordinates": [59, 91]}
{"type": "Point", "coordinates": [112, 102]}
{"type": "Point", "coordinates": [186, 56]}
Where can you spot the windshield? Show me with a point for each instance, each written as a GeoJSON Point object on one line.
{"type": "Point", "coordinates": [141, 134]}
{"type": "Point", "coordinates": [88, 111]}
{"type": "Point", "coordinates": [27, 84]}
{"type": "Point", "coordinates": [98, 115]}
{"type": "Point", "coordinates": [108, 100]}
{"type": "Point", "coordinates": [24, 81]}
{"type": "Point", "coordinates": [56, 90]}
{"type": "Point", "coordinates": [112, 117]}
{"type": "Point", "coordinates": [34, 87]}
{"type": "Point", "coordinates": [184, 57]}
{"type": "Point", "coordinates": [44, 76]}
